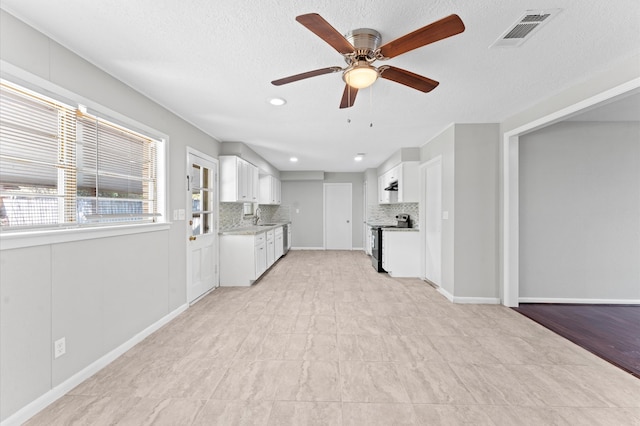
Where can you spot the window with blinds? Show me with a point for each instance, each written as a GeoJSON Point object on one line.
{"type": "Point", "coordinates": [61, 167]}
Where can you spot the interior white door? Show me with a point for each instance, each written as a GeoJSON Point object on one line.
{"type": "Point", "coordinates": [202, 225]}
{"type": "Point", "coordinates": [433, 221]}
{"type": "Point", "coordinates": [337, 216]}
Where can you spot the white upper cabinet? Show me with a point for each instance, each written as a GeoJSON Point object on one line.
{"type": "Point", "coordinates": [399, 184]}
{"type": "Point", "coordinates": [238, 180]}
{"type": "Point", "coordinates": [270, 190]}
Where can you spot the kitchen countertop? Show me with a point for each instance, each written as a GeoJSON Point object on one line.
{"type": "Point", "coordinates": [252, 230]}
{"type": "Point", "coordinates": [384, 225]}
{"type": "Point", "coordinates": [401, 229]}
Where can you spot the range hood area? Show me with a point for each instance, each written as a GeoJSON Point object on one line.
{"type": "Point", "coordinates": [393, 186]}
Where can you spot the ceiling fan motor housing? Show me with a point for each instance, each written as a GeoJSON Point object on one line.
{"type": "Point", "coordinates": [366, 41]}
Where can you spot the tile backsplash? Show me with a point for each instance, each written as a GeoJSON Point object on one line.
{"type": "Point", "coordinates": [386, 213]}
{"type": "Point", "coordinates": [231, 215]}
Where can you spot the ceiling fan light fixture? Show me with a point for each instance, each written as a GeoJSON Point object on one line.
{"type": "Point", "coordinates": [360, 75]}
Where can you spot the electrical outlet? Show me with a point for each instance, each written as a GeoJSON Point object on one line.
{"type": "Point", "coordinates": [59, 348]}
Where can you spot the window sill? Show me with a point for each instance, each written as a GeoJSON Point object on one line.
{"type": "Point", "coordinates": [14, 240]}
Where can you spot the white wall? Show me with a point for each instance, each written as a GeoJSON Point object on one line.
{"type": "Point", "coordinates": [305, 199]}
{"type": "Point", "coordinates": [401, 155]}
{"type": "Point", "coordinates": [622, 77]}
{"type": "Point", "coordinates": [444, 145]}
{"type": "Point", "coordinates": [476, 210]}
{"type": "Point", "coordinates": [580, 211]}
{"type": "Point", "coordinates": [243, 151]}
{"type": "Point", "coordinates": [619, 74]}
{"type": "Point", "coordinates": [97, 293]}
{"type": "Point", "coordinates": [371, 177]}
{"type": "Point", "coordinates": [470, 196]}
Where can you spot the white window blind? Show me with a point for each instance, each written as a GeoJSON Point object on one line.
{"type": "Point", "coordinates": [60, 166]}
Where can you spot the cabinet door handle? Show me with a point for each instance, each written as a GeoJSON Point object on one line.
{"type": "Point", "coordinates": [192, 238]}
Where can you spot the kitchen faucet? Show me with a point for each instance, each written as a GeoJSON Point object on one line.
{"type": "Point", "coordinates": [256, 216]}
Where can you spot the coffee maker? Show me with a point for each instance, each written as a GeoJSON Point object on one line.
{"type": "Point", "coordinates": [404, 221]}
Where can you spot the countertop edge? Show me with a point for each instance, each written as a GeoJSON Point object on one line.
{"type": "Point", "coordinates": [252, 230]}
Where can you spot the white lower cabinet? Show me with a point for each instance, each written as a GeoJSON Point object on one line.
{"type": "Point", "coordinates": [245, 257]}
{"type": "Point", "coordinates": [401, 253]}
{"type": "Point", "coordinates": [261, 258]}
{"type": "Point", "coordinates": [271, 250]}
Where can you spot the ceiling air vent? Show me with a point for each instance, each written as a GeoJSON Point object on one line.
{"type": "Point", "coordinates": [530, 22]}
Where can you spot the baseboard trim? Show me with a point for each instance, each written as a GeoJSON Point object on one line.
{"type": "Point", "coordinates": [477, 300]}
{"type": "Point", "coordinates": [469, 300]}
{"type": "Point", "coordinates": [40, 403]}
{"type": "Point", "coordinates": [323, 249]}
{"type": "Point", "coordinates": [579, 301]}
{"type": "Point", "coordinates": [446, 294]}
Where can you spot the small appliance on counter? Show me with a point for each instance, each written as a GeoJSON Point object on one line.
{"type": "Point", "coordinates": [404, 221]}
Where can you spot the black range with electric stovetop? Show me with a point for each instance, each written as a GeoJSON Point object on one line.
{"type": "Point", "coordinates": [404, 221]}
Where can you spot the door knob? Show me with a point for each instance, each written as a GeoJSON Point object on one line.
{"type": "Point", "coordinates": [192, 238]}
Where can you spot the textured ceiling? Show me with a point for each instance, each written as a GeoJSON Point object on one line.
{"type": "Point", "coordinates": [211, 62]}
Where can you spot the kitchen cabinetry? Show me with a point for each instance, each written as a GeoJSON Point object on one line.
{"type": "Point", "coordinates": [245, 256]}
{"type": "Point", "coordinates": [271, 250]}
{"type": "Point", "coordinates": [260, 253]}
{"type": "Point", "coordinates": [238, 180]}
{"type": "Point", "coordinates": [270, 190]}
{"type": "Point", "coordinates": [404, 176]}
{"type": "Point", "coordinates": [401, 253]}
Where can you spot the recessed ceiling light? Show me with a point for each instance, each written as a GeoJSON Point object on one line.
{"type": "Point", "coordinates": [359, 157]}
{"type": "Point", "coordinates": [277, 101]}
{"type": "Point", "coordinates": [293, 159]}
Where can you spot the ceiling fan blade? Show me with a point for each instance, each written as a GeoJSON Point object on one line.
{"type": "Point", "coordinates": [348, 96]}
{"type": "Point", "coordinates": [304, 75]}
{"type": "Point", "coordinates": [408, 78]}
{"type": "Point", "coordinates": [445, 27]}
{"type": "Point", "coordinates": [317, 25]}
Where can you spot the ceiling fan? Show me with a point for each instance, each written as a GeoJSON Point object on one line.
{"type": "Point", "coordinates": [361, 48]}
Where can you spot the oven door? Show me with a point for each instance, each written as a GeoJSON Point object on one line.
{"type": "Point", "coordinates": [376, 249]}
{"type": "Point", "coordinates": [375, 244]}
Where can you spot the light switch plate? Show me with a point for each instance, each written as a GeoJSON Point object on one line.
{"type": "Point", "coordinates": [445, 215]}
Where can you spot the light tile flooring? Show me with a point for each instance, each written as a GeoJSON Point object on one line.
{"type": "Point", "coordinates": [324, 339]}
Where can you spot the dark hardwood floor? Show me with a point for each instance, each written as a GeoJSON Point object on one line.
{"type": "Point", "coordinates": [610, 331]}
